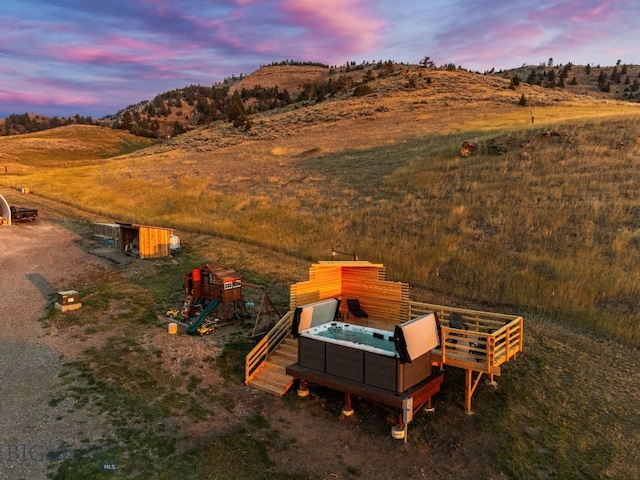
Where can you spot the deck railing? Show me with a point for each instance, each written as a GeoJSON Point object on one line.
{"type": "Point", "coordinates": [508, 341]}
{"type": "Point", "coordinates": [268, 344]}
{"type": "Point", "coordinates": [487, 341]}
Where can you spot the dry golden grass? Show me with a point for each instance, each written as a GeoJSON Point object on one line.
{"type": "Point", "coordinates": [68, 146]}
{"type": "Point", "coordinates": [547, 229]}
{"type": "Point", "coordinates": [546, 226]}
{"type": "Point", "coordinates": [285, 77]}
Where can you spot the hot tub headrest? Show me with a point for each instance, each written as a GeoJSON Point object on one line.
{"type": "Point", "coordinates": [314, 314]}
{"type": "Point", "coordinates": [416, 337]}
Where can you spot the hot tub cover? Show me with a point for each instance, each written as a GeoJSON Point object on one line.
{"type": "Point", "coordinates": [416, 337]}
{"type": "Point", "coordinates": [314, 314]}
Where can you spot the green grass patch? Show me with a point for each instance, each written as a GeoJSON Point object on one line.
{"type": "Point", "coordinates": [230, 362]}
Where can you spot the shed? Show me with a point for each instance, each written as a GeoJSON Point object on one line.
{"type": "Point", "coordinates": [107, 234]}
{"type": "Point", "coordinates": [5, 212]}
{"type": "Point", "coordinates": [145, 241]}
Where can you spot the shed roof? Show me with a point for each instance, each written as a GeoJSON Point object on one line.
{"type": "Point", "coordinates": [138, 226]}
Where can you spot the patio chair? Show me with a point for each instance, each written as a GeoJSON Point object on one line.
{"type": "Point", "coordinates": [353, 304]}
{"type": "Point", "coordinates": [455, 321]}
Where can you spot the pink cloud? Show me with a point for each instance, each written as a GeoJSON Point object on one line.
{"type": "Point", "coordinates": [343, 19]}
{"type": "Point", "coordinates": [112, 50]}
{"type": "Point", "coordinates": [579, 11]}
{"type": "Point", "coordinates": [343, 26]}
{"type": "Point", "coordinates": [46, 98]}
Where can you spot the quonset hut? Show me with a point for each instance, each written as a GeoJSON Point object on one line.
{"type": "Point", "coordinates": [5, 212]}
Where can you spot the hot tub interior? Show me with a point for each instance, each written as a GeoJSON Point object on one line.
{"type": "Point", "coordinates": [393, 361]}
{"type": "Point", "coordinates": [358, 335]}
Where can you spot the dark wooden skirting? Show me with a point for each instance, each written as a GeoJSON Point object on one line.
{"type": "Point", "coordinates": [421, 393]}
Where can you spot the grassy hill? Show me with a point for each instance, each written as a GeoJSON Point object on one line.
{"type": "Point", "coordinates": [541, 221]}
{"type": "Point", "coordinates": [382, 174]}
{"type": "Point", "coordinates": [312, 82]}
{"type": "Point", "coordinates": [68, 146]}
{"type": "Point", "coordinates": [618, 82]}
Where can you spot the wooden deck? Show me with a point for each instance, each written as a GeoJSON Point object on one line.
{"type": "Point", "coordinates": [485, 343]}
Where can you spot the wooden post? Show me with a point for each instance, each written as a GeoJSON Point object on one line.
{"type": "Point", "coordinates": [469, 387]}
{"type": "Point", "coordinates": [347, 410]}
{"type": "Point", "coordinates": [468, 391]}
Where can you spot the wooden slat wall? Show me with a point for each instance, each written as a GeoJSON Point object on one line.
{"type": "Point", "coordinates": [323, 283]}
{"type": "Point", "coordinates": [154, 242]}
{"type": "Point", "coordinates": [384, 301]}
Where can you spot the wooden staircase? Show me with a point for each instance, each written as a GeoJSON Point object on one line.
{"type": "Point", "coordinates": [270, 376]}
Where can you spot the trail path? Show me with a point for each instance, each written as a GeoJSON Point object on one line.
{"type": "Point", "coordinates": [36, 261]}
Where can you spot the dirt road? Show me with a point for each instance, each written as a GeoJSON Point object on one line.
{"type": "Point", "coordinates": [36, 261]}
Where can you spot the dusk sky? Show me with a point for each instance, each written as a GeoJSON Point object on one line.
{"type": "Point", "coordinates": [62, 57]}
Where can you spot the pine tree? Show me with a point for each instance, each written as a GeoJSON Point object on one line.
{"type": "Point", "coordinates": [236, 112]}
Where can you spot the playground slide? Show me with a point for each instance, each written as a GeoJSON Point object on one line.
{"type": "Point", "coordinates": [191, 329]}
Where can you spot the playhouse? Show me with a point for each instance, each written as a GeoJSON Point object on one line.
{"type": "Point", "coordinates": [214, 285]}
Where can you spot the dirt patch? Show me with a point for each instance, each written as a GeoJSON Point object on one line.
{"type": "Point", "coordinates": [37, 260]}
{"type": "Point", "coordinates": [42, 258]}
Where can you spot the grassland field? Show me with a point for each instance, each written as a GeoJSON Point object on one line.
{"type": "Point", "coordinates": [542, 222]}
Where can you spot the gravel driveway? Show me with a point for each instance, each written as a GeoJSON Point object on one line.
{"type": "Point", "coordinates": [36, 261]}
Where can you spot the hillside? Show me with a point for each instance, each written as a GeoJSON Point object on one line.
{"type": "Point", "coordinates": [314, 173]}
{"type": "Point", "coordinates": [285, 77]}
{"type": "Point", "coordinates": [541, 220]}
{"type": "Point", "coordinates": [67, 146]}
{"type": "Point", "coordinates": [618, 82]}
{"type": "Point", "coordinates": [405, 104]}
{"type": "Point", "coordinates": [275, 86]}
{"type": "Point", "coordinates": [180, 110]}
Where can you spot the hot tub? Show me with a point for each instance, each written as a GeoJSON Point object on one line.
{"type": "Point", "coordinates": [368, 355]}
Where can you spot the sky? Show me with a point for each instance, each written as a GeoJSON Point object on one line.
{"type": "Point", "coordinates": [94, 58]}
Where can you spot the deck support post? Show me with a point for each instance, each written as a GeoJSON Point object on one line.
{"type": "Point", "coordinates": [347, 410]}
{"type": "Point", "coordinates": [303, 389]}
{"type": "Point", "coordinates": [470, 387]}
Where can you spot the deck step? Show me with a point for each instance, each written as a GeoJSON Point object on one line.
{"type": "Point", "coordinates": [271, 376]}
{"type": "Point", "coordinates": [276, 367]}
{"type": "Point", "coordinates": [283, 360]}
{"type": "Point", "coordinates": [277, 379]}
{"type": "Point", "coordinates": [288, 349]}
{"type": "Point", "coordinates": [271, 380]}
{"type": "Point", "coordinates": [265, 387]}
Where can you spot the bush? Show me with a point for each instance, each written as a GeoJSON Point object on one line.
{"type": "Point", "coordinates": [362, 90]}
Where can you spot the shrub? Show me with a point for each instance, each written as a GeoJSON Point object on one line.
{"type": "Point", "coordinates": [362, 90]}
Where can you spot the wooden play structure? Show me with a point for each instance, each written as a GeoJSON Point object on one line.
{"type": "Point", "coordinates": [477, 342]}
{"type": "Point", "coordinates": [265, 308]}
{"type": "Point", "coordinates": [219, 290]}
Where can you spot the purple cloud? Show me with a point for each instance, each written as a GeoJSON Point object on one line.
{"type": "Point", "coordinates": [497, 33]}
{"type": "Point", "coordinates": [111, 54]}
